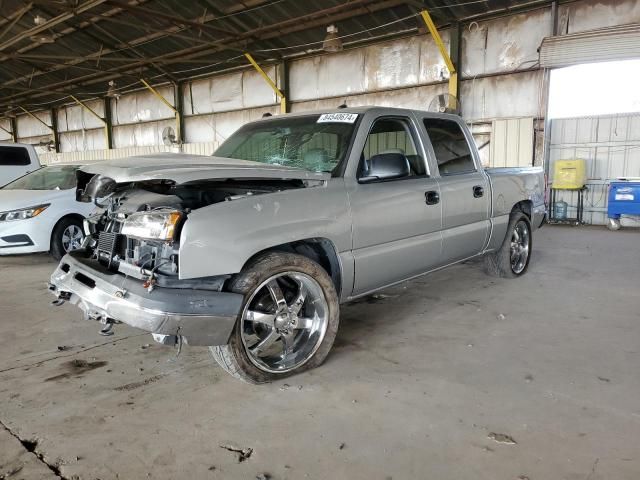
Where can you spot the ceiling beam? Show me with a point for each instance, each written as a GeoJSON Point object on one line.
{"type": "Point", "coordinates": [178, 21]}
{"type": "Point", "coordinates": [311, 20]}
{"type": "Point", "coordinates": [15, 18]}
{"type": "Point", "coordinates": [50, 23]}
{"type": "Point", "coordinates": [103, 52]}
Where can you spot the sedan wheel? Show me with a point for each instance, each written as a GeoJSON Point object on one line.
{"type": "Point", "coordinates": [72, 238]}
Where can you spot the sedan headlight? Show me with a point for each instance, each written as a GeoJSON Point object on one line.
{"type": "Point", "coordinates": [23, 213]}
{"type": "Point", "coordinates": [152, 225]}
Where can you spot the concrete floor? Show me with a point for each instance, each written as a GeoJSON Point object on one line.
{"type": "Point", "coordinates": [453, 376]}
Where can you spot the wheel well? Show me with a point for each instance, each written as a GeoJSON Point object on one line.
{"type": "Point", "coordinates": [525, 206]}
{"type": "Point", "coordinates": [320, 250]}
{"type": "Point", "coordinates": [75, 216]}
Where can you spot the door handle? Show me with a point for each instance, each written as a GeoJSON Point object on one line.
{"type": "Point", "coordinates": [432, 197]}
{"type": "Point", "coordinates": [478, 191]}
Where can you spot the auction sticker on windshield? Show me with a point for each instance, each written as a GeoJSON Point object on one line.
{"type": "Point", "coordinates": [338, 117]}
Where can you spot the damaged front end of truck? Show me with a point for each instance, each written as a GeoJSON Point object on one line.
{"type": "Point", "coordinates": [128, 269]}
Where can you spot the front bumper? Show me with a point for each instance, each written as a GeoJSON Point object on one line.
{"type": "Point", "coordinates": [200, 317]}
{"type": "Point", "coordinates": [20, 236]}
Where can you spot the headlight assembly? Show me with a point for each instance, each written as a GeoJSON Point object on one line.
{"type": "Point", "coordinates": [23, 213]}
{"type": "Point", "coordinates": [158, 225]}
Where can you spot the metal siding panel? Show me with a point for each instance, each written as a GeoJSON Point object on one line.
{"type": "Point", "coordinates": [30, 127]}
{"type": "Point", "coordinates": [432, 66]}
{"type": "Point", "coordinates": [393, 64]}
{"type": "Point", "coordinates": [504, 44]}
{"type": "Point", "coordinates": [76, 117]}
{"type": "Point", "coordinates": [593, 14]}
{"type": "Point", "coordinates": [6, 125]}
{"type": "Point", "coordinates": [525, 142]}
{"type": "Point", "coordinates": [82, 140]}
{"type": "Point", "coordinates": [142, 106]}
{"type": "Point", "coordinates": [255, 91]}
{"type": "Point", "coordinates": [140, 134]}
{"type": "Point", "coordinates": [512, 142]}
{"type": "Point", "coordinates": [503, 96]}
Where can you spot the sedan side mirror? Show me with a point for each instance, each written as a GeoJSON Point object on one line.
{"type": "Point", "coordinates": [386, 166]}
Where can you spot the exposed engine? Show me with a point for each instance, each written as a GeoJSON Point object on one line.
{"type": "Point", "coordinates": [136, 230]}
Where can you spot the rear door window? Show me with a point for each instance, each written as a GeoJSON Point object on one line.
{"type": "Point", "coordinates": [450, 146]}
{"type": "Point", "coordinates": [13, 156]}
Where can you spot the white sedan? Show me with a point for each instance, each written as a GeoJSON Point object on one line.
{"type": "Point", "coordinates": [39, 212]}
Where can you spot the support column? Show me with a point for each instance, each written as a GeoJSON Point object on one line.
{"type": "Point", "coordinates": [14, 128]}
{"type": "Point", "coordinates": [546, 81]}
{"type": "Point", "coordinates": [54, 130]}
{"type": "Point", "coordinates": [283, 76]}
{"type": "Point", "coordinates": [108, 123]}
{"type": "Point", "coordinates": [455, 47]}
{"type": "Point", "coordinates": [178, 101]}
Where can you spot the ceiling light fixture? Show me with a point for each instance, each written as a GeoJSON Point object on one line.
{"type": "Point", "coordinates": [332, 42]}
{"type": "Point", "coordinates": [41, 37]}
{"type": "Point", "coordinates": [111, 91]}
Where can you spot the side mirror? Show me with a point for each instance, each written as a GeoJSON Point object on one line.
{"type": "Point", "coordinates": [386, 166]}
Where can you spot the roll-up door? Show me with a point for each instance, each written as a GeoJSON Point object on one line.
{"type": "Point", "coordinates": [603, 45]}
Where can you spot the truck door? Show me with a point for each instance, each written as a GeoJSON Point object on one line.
{"type": "Point", "coordinates": [464, 189]}
{"type": "Point", "coordinates": [396, 221]}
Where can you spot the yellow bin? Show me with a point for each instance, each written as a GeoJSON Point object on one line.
{"type": "Point", "coordinates": [569, 174]}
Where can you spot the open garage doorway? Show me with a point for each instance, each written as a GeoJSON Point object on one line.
{"type": "Point", "coordinates": [594, 112]}
{"type": "Point", "coordinates": [603, 88]}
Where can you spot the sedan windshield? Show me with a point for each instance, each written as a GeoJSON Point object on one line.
{"type": "Point", "coordinates": [57, 177]}
{"type": "Point", "coordinates": [315, 142]}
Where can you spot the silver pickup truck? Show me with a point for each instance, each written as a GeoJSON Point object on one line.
{"type": "Point", "coordinates": [251, 252]}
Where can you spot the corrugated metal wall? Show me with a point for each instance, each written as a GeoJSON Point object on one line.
{"type": "Point", "coordinates": [610, 144]}
{"type": "Point", "coordinates": [98, 155]}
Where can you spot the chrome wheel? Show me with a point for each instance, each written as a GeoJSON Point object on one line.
{"type": "Point", "coordinates": [284, 322]}
{"type": "Point", "coordinates": [520, 241]}
{"type": "Point", "coordinates": [72, 238]}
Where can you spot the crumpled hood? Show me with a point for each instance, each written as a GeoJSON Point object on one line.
{"type": "Point", "coordinates": [183, 168]}
{"type": "Point", "coordinates": [17, 199]}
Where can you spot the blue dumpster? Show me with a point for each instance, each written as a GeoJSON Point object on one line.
{"type": "Point", "coordinates": [624, 199]}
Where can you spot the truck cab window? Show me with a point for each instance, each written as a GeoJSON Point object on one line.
{"type": "Point", "coordinates": [392, 135]}
{"type": "Point", "coordinates": [450, 146]}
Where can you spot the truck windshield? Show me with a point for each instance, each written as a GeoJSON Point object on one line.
{"type": "Point", "coordinates": [315, 142]}
{"type": "Point", "coordinates": [60, 177]}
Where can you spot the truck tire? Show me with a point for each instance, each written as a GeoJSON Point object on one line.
{"type": "Point", "coordinates": [288, 322]}
{"type": "Point", "coordinates": [67, 235]}
{"type": "Point", "coordinates": [512, 258]}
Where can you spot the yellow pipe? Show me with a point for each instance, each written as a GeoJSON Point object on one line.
{"type": "Point", "coordinates": [436, 36]}
{"type": "Point", "coordinates": [453, 74]}
{"type": "Point", "coordinates": [274, 87]}
{"type": "Point", "coordinates": [106, 126]}
{"type": "Point", "coordinates": [166, 102]}
{"type": "Point", "coordinates": [36, 118]}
